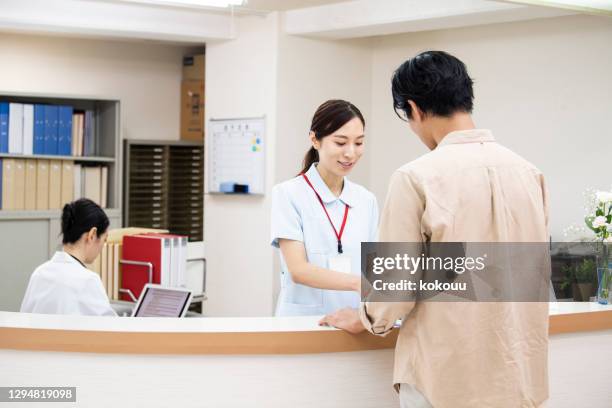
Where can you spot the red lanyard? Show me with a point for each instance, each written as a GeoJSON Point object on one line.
{"type": "Point", "coordinates": [346, 208]}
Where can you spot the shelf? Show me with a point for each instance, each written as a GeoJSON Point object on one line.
{"type": "Point", "coordinates": [38, 232]}
{"type": "Point", "coordinates": [45, 214]}
{"type": "Point", "coordinates": [46, 96]}
{"type": "Point", "coordinates": [95, 159]}
{"type": "Point", "coordinates": [156, 142]}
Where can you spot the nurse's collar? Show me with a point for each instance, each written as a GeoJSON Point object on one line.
{"type": "Point", "coordinates": [348, 191]}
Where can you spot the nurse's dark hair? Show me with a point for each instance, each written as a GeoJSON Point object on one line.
{"type": "Point", "coordinates": [329, 117]}
{"type": "Point", "coordinates": [79, 217]}
{"type": "Point", "coordinates": [437, 82]}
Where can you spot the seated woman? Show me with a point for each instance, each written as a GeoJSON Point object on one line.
{"type": "Point", "coordinates": [64, 285]}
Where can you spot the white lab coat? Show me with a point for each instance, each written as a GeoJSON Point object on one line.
{"type": "Point", "coordinates": [63, 286]}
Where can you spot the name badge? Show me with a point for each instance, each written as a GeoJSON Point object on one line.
{"type": "Point", "coordinates": [340, 263]}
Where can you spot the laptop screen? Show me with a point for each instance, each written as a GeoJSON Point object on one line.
{"type": "Point", "coordinates": [162, 302]}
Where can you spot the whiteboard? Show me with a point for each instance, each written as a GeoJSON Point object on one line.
{"type": "Point", "coordinates": [236, 154]}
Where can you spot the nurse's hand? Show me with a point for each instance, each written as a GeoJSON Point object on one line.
{"type": "Point", "coordinates": [346, 319]}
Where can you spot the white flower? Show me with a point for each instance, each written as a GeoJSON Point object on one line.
{"type": "Point", "coordinates": [599, 221]}
{"type": "Point", "coordinates": [604, 196]}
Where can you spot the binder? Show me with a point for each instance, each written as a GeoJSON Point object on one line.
{"type": "Point", "coordinates": [19, 190]}
{"type": "Point", "coordinates": [42, 184]}
{"type": "Point", "coordinates": [39, 129]}
{"type": "Point", "coordinates": [103, 268]}
{"type": "Point", "coordinates": [172, 279]}
{"type": "Point", "coordinates": [144, 248]}
{"type": "Point", "coordinates": [55, 184]}
{"type": "Point", "coordinates": [103, 186]}
{"type": "Point", "coordinates": [0, 184]}
{"type": "Point", "coordinates": [79, 132]}
{"type": "Point", "coordinates": [15, 144]}
{"type": "Point", "coordinates": [116, 269]}
{"type": "Point", "coordinates": [182, 278]}
{"type": "Point", "coordinates": [64, 141]}
{"type": "Point", "coordinates": [67, 194]}
{"type": "Point", "coordinates": [28, 129]}
{"type": "Point", "coordinates": [4, 126]}
{"type": "Point", "coordinates": [30, 184]}
{"type": "Point", "coordinates": [109, 269]}
{"type": "Point", "coordinates": [51, 124]}
{"type": "Point", "coordinates": [8, 184]}
{"type": "Point", "coordinates": [74, 132]}
{"type": "Point", "coordinates": [91, 183]}
{"type": "Point", "coordinates": [86, 122]}
{"type": "Point", "coordinates": [77, 171]}
{"type": "Point", "coordinates": [89, 137]}
{"type": "Point", "coordinates": [178, 260]}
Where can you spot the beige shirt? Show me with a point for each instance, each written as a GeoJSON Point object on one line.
{"type": "Point", "coordinates": [463, 354]}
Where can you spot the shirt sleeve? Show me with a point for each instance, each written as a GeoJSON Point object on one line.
{"type": "Point", "coordinates": [400, 222]}
{"type": "Point", "coordinates": [286, 220]}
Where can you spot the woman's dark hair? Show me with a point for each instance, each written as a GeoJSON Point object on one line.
{"type": "Point", "coordinates": [328, 118]}
{"type": "Point", "coordinates": [79, 217]}
{"type": "Point", "coordinates": [437, 82]}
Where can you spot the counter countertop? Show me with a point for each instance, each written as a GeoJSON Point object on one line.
{"type": "Point", "coordinates": [229, 335]}
{"type": "Point", "coordinates": [212, 324]}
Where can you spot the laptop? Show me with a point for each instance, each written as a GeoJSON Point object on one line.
{"type": "Point", "coordinates": [161, 301]}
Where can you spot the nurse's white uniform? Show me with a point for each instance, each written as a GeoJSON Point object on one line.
{"type": "Point", "coordinates": [63, 286]}
{"type": "Point", "coordinates": [297, 215]}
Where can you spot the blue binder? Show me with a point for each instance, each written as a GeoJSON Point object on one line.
{"type": "Point", "coordinates": [51, 128]}
{"type": "Point", "coordinates": [4, 120]}
{"type": "Point", "coordinates": [39, 129]}
{"type": "Point", "coordinates": [64, 145]}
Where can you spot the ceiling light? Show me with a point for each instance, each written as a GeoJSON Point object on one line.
{"type": "Point", "coordinates": [585, 6]}
{"type": "Point", "coordinates": [191, 3]}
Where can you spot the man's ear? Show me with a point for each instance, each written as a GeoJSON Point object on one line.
{"type": "Point", "coordinates": [417, 114]}
{"type": "Point", "coordinates": [313, 140]}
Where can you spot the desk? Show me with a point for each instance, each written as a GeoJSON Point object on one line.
{"type": "Point", "coordinates": [269, 362]}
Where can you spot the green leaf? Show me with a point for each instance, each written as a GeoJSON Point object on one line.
{"type": "Point", "coordinates": [588, 220]}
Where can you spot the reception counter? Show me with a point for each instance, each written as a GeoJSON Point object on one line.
{"type": "Point", "coordinates": [268, 362]}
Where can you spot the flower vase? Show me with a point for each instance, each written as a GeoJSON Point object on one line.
{"type": "Point", "coordinates": [604, 276]}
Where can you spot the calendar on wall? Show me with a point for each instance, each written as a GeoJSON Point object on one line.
{"type": "Point", "coordinates": [236, 156]}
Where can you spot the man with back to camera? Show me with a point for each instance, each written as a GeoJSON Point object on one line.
{"type": "Point", "coordinates": [468, 188]}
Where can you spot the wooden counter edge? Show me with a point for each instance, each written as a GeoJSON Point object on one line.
{"type": "Point", "coordinates": [299, 342]}
{"type": "Point", "coordinates": [580, 322]}
{"type": "Point", "coordinates": [304, 342]}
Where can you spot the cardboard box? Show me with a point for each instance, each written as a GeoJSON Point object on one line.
{"type": "Point", "coordinates": [192, 110]}
{"type": "Point", "coordinates": [193, 67]}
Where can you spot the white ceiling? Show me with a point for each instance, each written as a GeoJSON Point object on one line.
{"type": "Point", "coordinates": [331, 19]}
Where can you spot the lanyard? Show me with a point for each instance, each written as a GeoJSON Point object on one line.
{"type": "Point", "coordinates": [78, 260]}
{"type": "Point", "coordinates": [346, 208]}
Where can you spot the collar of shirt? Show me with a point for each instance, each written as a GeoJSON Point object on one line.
{"type": "Point", "coordinates": [467, 136]}
{"type": "Point", "coordinates": [348, 192]}
{"type": "Point", "coordinates": [64, 257]}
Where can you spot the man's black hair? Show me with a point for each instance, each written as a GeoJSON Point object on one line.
{"type": "Point", "coordinates": [437, 82]}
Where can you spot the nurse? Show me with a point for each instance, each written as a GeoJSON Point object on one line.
{"type": "Point", "coordinates": [64, 285]}
{"type": "Point", "coordinates": [320, 218]}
